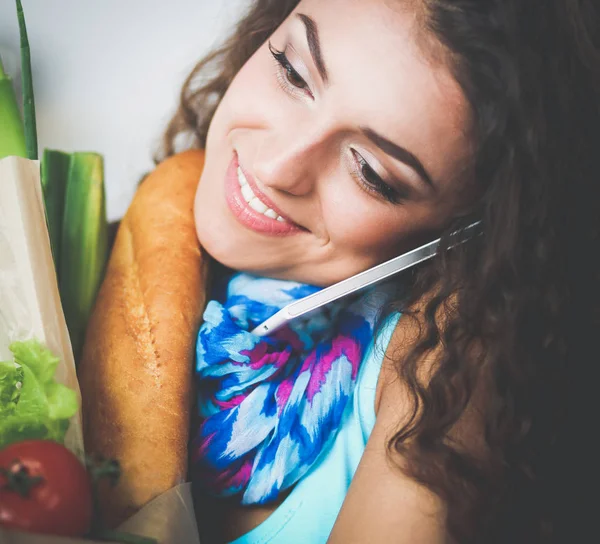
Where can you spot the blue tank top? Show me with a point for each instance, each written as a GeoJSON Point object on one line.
{"type": "Point", "coordinates": [310, 510]}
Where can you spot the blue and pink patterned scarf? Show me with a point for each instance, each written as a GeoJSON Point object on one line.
{"type": "Point", "coordinates": [270, 405]}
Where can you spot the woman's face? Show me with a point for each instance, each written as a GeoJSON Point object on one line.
{"type": "Point", "coordinates": [338, 145]}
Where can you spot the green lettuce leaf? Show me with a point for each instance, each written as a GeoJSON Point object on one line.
{"type": "Point", "coordinates": [32, 404]}
{"type": "Point", "coordinates": [11, 374]}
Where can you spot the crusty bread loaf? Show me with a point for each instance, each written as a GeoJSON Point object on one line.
{"type": "Point", "coordinates": [137, 365]}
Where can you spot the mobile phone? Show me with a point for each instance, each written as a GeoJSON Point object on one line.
{"type": "Point", "coordinates": [353, 284]}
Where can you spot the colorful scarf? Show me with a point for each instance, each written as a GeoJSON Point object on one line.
{"type": "Point", "coordinates": [270, 405]}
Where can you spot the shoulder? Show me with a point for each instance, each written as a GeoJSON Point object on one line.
{"type": "Point", "coordinates": [394, 399]}
{"type": "Point", "coordinates": [406, 335]}
{"type": "Point", "coordinates": [384, 504]}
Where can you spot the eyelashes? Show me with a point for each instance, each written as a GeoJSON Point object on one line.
{"type": "Point", "coordinates": [292, 82]}
{"type": "Point", "coordinates": [372, 182]}
{"type": "Point", "coordinates": [287, 76]}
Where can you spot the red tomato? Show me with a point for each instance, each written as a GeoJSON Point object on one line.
{"type": "Point", "coordinates": [59, 500]}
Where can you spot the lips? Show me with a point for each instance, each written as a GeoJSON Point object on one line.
{"type": "Point", "coordinates": [249, 217]}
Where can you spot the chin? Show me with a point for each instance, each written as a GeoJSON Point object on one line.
{"type": "Point", "coordinates": [214, 243]}
{"type": "Point", "coordinates": [216, 240]}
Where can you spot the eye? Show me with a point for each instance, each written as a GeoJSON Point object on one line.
{"type": "Point", "coordinates": [292, 80]}
{"type": "Point", "coordinates": [373, 183]}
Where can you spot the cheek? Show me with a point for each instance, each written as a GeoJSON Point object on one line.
{"type": "Point", "coordinates": [360, 231]}
{"type": "Point", "coordinates": [365, 235]}
{"type": "Point", "coordinates": [252, 100]}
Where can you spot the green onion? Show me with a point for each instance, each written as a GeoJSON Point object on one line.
{"type": "Point", "coordinates": [12, 138]}
{"type": "Point", "coordinates": [55, 171]}
{"type": "Point", "coordinates": [27, 82]}
{"type": "Point", "coordinates": [84, 243]}
{"type": "Point", "coordinates": [75, 202]}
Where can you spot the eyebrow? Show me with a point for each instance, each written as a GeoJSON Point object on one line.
{"type": "Point", "coordinates": [314, 45]}
{"type": "Point", "coordinates": [398, 152]}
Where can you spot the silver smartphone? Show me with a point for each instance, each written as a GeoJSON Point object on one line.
{"type": "Point", "coordinates": [353, 284]}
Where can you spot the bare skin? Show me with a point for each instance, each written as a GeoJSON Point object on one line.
{"type": "Point", "coordinates": [305, 136]}
{"type": "Point", "coordinates": [306, 145]}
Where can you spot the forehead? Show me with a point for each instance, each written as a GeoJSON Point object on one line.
{"type": "Point", "coordinates": [383, 73]}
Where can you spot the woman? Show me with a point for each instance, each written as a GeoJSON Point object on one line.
{"type": "Point", "coordinates": [339, 134]}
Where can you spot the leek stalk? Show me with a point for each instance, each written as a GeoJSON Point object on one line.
{"type": "Point", "coordinates": [84, 243]}
{"type": "Point", "coordinates": [27, 81]}
{"type": "Point", "coordinates": [12, 137]}
{"type": "Point", "coordinates": [75, 201]}
{"type": "Point", "coordinates": [55, 172]}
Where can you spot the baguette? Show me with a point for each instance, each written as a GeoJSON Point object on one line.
{"type": "Point", "coordinates": [137, 365]}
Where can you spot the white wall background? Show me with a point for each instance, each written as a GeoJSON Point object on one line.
{"type": "Point", "coordinates": [107, 73]}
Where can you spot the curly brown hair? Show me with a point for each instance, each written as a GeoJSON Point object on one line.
{"type": "Point", "coordinates": [519, 303]}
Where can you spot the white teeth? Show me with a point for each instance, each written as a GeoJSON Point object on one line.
{"type": "Point", "coordinates": [257, 205]}
{"type": "Point", "coordinates": [241, 177]}
{"type": "Point", "coordinates": [247, 193]}
{"type": "Point", "coordinates": [253, 201]}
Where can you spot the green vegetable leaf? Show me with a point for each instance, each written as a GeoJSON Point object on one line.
{"type": "Point", "coordinates": [11, 380]}
{"type": "Point", "coordinates": [39, 359]}
{"type": "Point", "coordinates": [12, 135]}
{"type": "Point", "coordinates": [29, 121]}
{"type": "Point", "coordinates": [32, 404]}
{"type": "Point", "coordinates": [61, 400]}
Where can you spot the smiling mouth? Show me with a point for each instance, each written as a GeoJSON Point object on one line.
{"type": "Point", "coordinates": [254, 201]}
{"type": "Point", "coordinates": [252, 207]}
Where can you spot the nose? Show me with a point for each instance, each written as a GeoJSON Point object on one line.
{"type": "Point", "coordinates": [292, 159]}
